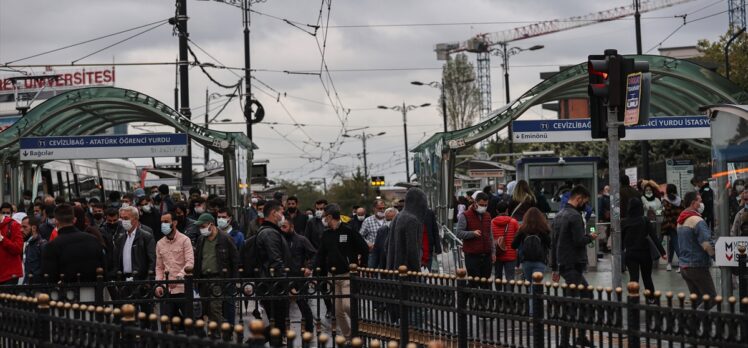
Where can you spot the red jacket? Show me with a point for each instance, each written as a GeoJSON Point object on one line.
{"type": "Point", "coordinates": [482, 244]}
{"type": "Point", "coordinates": [11, 250]}
{"type": "Point", "coordinates": [498, 225]}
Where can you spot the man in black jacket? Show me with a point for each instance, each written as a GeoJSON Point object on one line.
{"type": "Point", "coordinates": [274, 257]}
{"type": "Point", "coordinates": [340, 248]}
{"type": "Point", "coordinates": [150, 217]}
{"type": "Point", "coordinates": [302, 254]}
{"type": "Point", "coordinates": [569, 249]}
{"type": "Point", "coordinates": [297, 218]}
{"type": "Point", "coordinates": [214, 253]}
{"type": "Point", "coordinates": [314, 227]}
{"type": "Point", "coordinates": [73, 252]}
{"type": "Point", "coordinates": [134, 250]}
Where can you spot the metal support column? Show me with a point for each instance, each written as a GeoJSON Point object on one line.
{"type": "Point", "coordinates": [2, 179]}
{"type": "Point", "coordinates": [28, 179]}
{"type": "Point", "coordinates": [230, 180]}
{"type": "Point", "coordinates": [184, 82]}
{"type": "Point", "coordinates": [615, 197]}
{"type": "Point", "coordinates": [405, 133]}
{"type": "Point", "coordinates": [15, 183]}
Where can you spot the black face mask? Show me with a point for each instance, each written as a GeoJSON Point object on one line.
{"type": "Point", "coordinates": [581, 207]}
{"type": "Point", "coordinates": [111, 226]}
{"type": "Point", "coordinates": [98, 216]}
{"type": "Point", "coordinates": [291, 210]}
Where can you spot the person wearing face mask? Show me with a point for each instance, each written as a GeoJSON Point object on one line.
{"type": "Point", "coordinates": [627, 193]}
{"type": "Point", "coordinates": [48, 222]}
{"type": "Point", "coordinates": [371, 226]}
{"type": "Point", "coordinates": [340, 248]}
{"type": "Point", "coordinates": [357, 220]}
{"type": "Point", "coordinates": [314, 228]}
{"type": "Point", "coordinates": [474, 228]}
{"type": "Point", "coordinates": [652, 204]}
{"type": "Point", "coordinates": [25, 205]}
{"type": "Point", "coordinates": [379, 251]}
{"type": "Point", "coordinates": [214, 252]}
{"type": "Point", "coordinates": [735, 198]}
{"type": "Point", "coordinates": [707, 197]}
{"type": "Point", "coordinates": [150, 217]}
{"type": "Point", "coordinates": [198, 208]}
{"type": "Point", "coordinates": [173, 255]}
{"type": "Point", "coordinates": [696, 248]}
{"type": "Point", "coordinates": [224, 223]}
{"type": "Point", "coordinates": [302, 254]}
{"type": "Point", "coordinates": [274, 256]}
{"type": "Point", "coordinates": [569, 250]}
{"type": "Point", "coordinates": [11, 247]}
{"type": "Point", "coordinates": [97, 214]}
{"type": "Point", "coordinates": [254, 226]}
{"type": "Point", "coordinates": [32, 261]}
{"type": "Point", "coordinates": [672, 206]}
{"type": "Point", "coordinates": [134, 250]}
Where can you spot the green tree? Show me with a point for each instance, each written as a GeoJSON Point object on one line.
{"type": "Point", "coordinates": [350, 191]}
{"type": "Point", "coordinates": [714, 52]}
{"type": "Point", "coordinates": [462, 94]}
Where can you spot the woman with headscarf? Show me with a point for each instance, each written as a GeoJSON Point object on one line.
{"type": "Point", "coordinates": [639, 237]}
{"type": "Point", "coordinates": [652, 204]}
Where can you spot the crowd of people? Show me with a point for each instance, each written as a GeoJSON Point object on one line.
{"type": "Point", "coordinates": [158, 235]}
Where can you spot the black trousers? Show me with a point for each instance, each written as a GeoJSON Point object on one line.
{"type": "Point", "coordinates": [306, 314]}
{"type": "Point", "coordinates": [575, 275]}
{"type": "Point", "coordinates": [638, 262]}
{"type": "Point", "coordinates": [479, 265]}
{"type": "Point", "coordinates": [277, 312]}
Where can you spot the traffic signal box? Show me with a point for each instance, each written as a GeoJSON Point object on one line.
{"type": "Point", "coordinates": [608, 79]}
{"type": "Point", "coordinates": [377, 181]}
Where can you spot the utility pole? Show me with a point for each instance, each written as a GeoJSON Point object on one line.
{"type": "Point", "coordinates": [644, 144]}
{"type": "Point", "coordinates": [366, 166]}
{"type": "Point", "coordinates": [405, 133]}
{"type": "Point", "coordinates": [207, 110]}
{"type": "Point", "coordinates": [248, 91]}
{"type": "Point", "coordinates": [184, 82]}
{"type": "Point", "coordinates": [176, 102]}
{"type": "Point", "coordinates": [444, 104]}
{"type": "Point", "coordinates": [615, 190]}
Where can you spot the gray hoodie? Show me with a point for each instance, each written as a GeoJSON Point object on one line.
{"type": "Point", "coordinates": [404, 243]}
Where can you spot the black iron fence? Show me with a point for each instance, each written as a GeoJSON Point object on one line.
{"type": "Point", "coordinates": [395, 307]}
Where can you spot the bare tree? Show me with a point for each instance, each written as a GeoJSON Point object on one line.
{"type": "Point", "coordinates": [462, 94]}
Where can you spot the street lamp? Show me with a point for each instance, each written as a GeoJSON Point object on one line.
{"type": "Point", "coordinates": [440, 85]}
{"type": "Point", "coordinates": [404, 109]}
{"type": "Point", "coordinates": [505, 53]}
{"type": "Point", "coordinates": [363, 136]}
{"type": "Point", "coordinates": [208, 98]}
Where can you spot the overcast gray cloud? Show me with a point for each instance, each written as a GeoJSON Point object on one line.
{"type": "Point", "coordinates": [29, 27]}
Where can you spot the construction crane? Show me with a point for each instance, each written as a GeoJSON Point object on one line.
{"type": "Point", "coordinates": [484, 44]}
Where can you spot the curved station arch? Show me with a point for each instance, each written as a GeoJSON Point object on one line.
{"type": "Point", "coordinates": [90, 111]}
{"type": "Point", "coordinates": [679, 87]}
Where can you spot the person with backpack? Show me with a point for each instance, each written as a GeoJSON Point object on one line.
{"type": "Point", "coordinates": [504, 228]}
{"type": "Point", "coordinates": [533, 240]}
{"type": "Point", "coordinates": [639, 239]}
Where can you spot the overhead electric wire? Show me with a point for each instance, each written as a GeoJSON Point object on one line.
{"type": "Point", "coordinates": [214, 58]}
{"type": "Point", "coordinates": [685, 21]}
{"type": "Point", "coordinates": [200, 65]}
{"type": "Point", "coordinates": [117, 43]}
{"type": "Point", "coordinates": [86, 41]}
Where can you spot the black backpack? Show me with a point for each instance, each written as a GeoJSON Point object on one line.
{"type": "Point", "coordinates": [250, 256]}
{"type": "Point", "coordinates": [532, 248]}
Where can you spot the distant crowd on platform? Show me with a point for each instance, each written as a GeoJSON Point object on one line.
{"type": "Point", "coordinates": [150, 233]}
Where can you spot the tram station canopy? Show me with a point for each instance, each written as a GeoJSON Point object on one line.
{"type": "Point", "coordinates": [679, 88]}
{"type": "Point", "coordinates": [89, 111]}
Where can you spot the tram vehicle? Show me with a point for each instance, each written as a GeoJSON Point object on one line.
{"type": "Point", "coordinates": [86, 178]}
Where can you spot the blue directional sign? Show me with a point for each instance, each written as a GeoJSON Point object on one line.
{"type": "Point", "coordinates": [576, 130]}
{"type": "Point", "coordinates": [103, 146]}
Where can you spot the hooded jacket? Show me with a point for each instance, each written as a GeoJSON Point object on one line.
{"type": "Point", "coordinates": [11, 250]}
{"type": "Point", "coordinates": [405, 240]}
{"type": "Point", "coordinates": [635, 230]}
{"type": "Point", "coordinates": [672, 207]}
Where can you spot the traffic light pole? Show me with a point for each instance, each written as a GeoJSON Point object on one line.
{"type": "Point", "coordinates": [615, 190]}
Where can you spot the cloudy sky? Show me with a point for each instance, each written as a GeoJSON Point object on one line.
{"type": "Point", "coordinates": [373, 49]}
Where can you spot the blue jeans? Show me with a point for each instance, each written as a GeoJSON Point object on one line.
{"type": "Point", "coordinates": [503, 269]}
{"type": "Point", "coordinates": [530, 267]}
{"type": "Point", "coordinates": [672, 248]}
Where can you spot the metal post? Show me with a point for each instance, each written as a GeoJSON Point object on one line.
{"type": "Point", "coordinates": [615, 198]}
{"type": "Point", "coordinates": [538, 335]}
{"type": "Point", "coordinates": [444, 104]}
{"type": "Point", "coordinates": [366, 167]}
{"type": "Point", "coordinates": [505, 57]}
{"type": "Point", "coordinates": [462, 322]}
{"type": "Point", "coordinates": [404, 312]}
{"type": "Point", "coordinates": [742, 279]}
{"type": "Point", "coordinates": [248, 93]}
{"type": "Point", "coordinates": [727, 51]}
{"type": "Point", "coordinates": [405, 133]}
{"type": "Point", "coordinates": [207, 109]}
{"type": "Point", "coordinates": [644, 143]}
{"type": "Point", "coordinates": [632, 310]}
{"type": "Point", "coordinates": [354, 285]}
{"type": "Point", "coordinates": [184, 82]}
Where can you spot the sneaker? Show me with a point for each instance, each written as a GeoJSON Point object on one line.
{"type": "Point", "coordinates": [669, 268]}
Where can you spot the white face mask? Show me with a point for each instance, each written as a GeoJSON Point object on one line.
{"type": "Point", "coordinates": [499, 192]}
{"type": "Point", "coordinates": [199, 209]}
{"type": "Point", "coordinates": [738, 188]}
{"type": "Point", "coordinates": [380, 214]}
{"type": "Point", "coordinates": [648, 194]}
{"type": "Point", "coordinates": [700, 209]}
{"type": "Point", "coordinates": [324, 222]}
{"type": "Point", "coordinates": [261, 215]}
{"type": "Point", "coordinates": [223, 223]}
{"type": "Point", "coordinates": [282, 220]}
{"type": "Point", "coordinates": [481, 210]}
{"type": "Point", "coordinates": [360, 218]}
{"type": "Point", "coordinates": [205, 231]}
{"type": "Point", "coordinates": [146, 208]}
{"type": "Point", "coordinates": [126, 224]}
{"type": "Point", "coordinates": [310, 217]}
{"type": "Point", "coordinates": [125, 205]}
{"type": "Point", "coordinates": [254, 200]}
{"type": "Point", "coordinates": [165, 228]}
{"type": "Point", "coordinates": [318, 214]}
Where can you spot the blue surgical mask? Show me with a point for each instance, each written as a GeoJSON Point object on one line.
{"type": "Point", "coordinates": [165, 228]}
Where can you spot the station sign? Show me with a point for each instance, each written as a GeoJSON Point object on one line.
{"type": "Point", "coordinates": [103, 146]}
{"type": "Point", "coordinates": [578, 130]}
{"type": "Point", "coordinates": [726, 250]}
{"type": "Point", "coordinates": [486, 173]}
